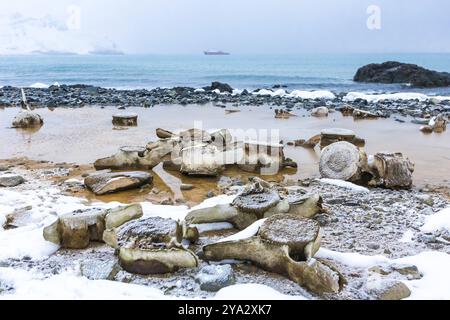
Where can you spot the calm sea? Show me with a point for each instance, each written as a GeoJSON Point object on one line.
{"type": "Point", "coordinates": [301, 71]}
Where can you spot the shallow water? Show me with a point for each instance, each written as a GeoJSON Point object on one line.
{"type": "Point", "coordinates": [83, 135]}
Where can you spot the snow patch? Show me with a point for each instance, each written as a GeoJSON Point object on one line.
{"type": "Point", "coordinates": [352, 96]}
{"type": "Point", "coordinates": [433, 265]}
{"type": "Point", "coordinates": [69, 285]}
{"type": "Point", "coordinates": [319, 94]}
{"type": "Point", "coordinates": [346, 185]}
{"type": "Point", "coordinates": [46, 204]}
{"type": "Point", "coordinates": [407, 237]}
{"type": "Point", "coordinates": [212, 202]}
{"type": "Point", "coordinates": [253, 292]}
{"type": "Point", "coordinates": [438, 221]}
{"type": "Point", "coordinates": [25, 242]}
{"type": "Point", "coordinates": [205, 227]}
{"type": "Point", "coordinates": [246, 233]}
{"type": "Point", "coordinates": [39, 85]}
{"type": "Point", "coordinates": [352, 259]}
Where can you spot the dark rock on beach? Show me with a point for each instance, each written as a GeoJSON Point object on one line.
{"type": "Point", "coordinates": [218, 94]}
{"type": "Point", "coordinates": [222, 87]}
{"type": "Point", "coordinates": [397, 72]}
{"type": "Point", "coordinates": [11, 181]}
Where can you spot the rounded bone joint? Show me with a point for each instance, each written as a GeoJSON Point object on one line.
{"type": "Point", "coordinates": [342, 161]}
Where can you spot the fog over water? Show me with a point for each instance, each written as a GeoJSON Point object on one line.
{"type": "Point", "coordinates": [251, 26]}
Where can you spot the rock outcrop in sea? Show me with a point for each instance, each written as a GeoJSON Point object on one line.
{"type": "Point", "coordinates": [397, 72]}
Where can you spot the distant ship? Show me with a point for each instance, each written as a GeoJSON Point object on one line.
{"type": "Point", "coordinates": [216, 53]}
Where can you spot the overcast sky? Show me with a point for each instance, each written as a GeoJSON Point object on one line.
{"type": "Point", "coordinates": [255, 26]}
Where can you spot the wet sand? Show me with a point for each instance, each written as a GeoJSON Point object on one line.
{"type": "Point", "coordinates": [83, 135]}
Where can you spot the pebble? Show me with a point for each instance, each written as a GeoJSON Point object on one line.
{"type": "Point", "coordinates": [11, 181]}
{"type": "Point", "coordinates": [186, 187]}
{"type": "Point", "coordinates": [373, 246]}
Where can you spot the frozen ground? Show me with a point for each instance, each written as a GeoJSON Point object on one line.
{"type": "Point", "coordinates": [363, 229]}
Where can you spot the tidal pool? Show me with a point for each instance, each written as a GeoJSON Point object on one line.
{"type": "Point", "coordinates": [82, 135]}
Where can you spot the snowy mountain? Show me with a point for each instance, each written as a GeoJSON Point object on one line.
{"type": "Point", "coordinates": [20, 34]}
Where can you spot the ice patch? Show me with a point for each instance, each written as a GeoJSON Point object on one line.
{"type": "Point", "coordinates": [345, 185]}
{"type": "Point", "coordinates": [438, 221]}
{"type": "Point", "coordinates": [246, 233]}
{"type": "Point", "coordinates": [199, 90]}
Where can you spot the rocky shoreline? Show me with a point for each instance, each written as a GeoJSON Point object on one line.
{"type": "Point", "coordinates": [220, 94]}
{"type": "Point", "coordinates": [379, 222]}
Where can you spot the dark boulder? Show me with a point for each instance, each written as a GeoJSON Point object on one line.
{"type": "Point", "coordinates": [222, 87]}
{"type": "Point", "coordinates": [397, 72]}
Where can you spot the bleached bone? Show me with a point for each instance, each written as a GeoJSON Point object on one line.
{"type": "Point", "coordinates": [343, 161]}
{"type": "Point", "coordinates": [135, 157]}
{"type": "Point", "coordinates": [256, 203]}
{"type": "Point", "coordinates": [361, 114]}
{"type": "Point", "coordinates": [125, 119]}
{"type": "Point", "coordinates": [392, 170]}
{"type": "Point", "coordinates": [151, 246]}
{"type": "Point", "coordinates": [110, 182]}
{"type": "Point", "coordinates": [77, 229]}
{"type": "Point", "coordinates": [285, 244]}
